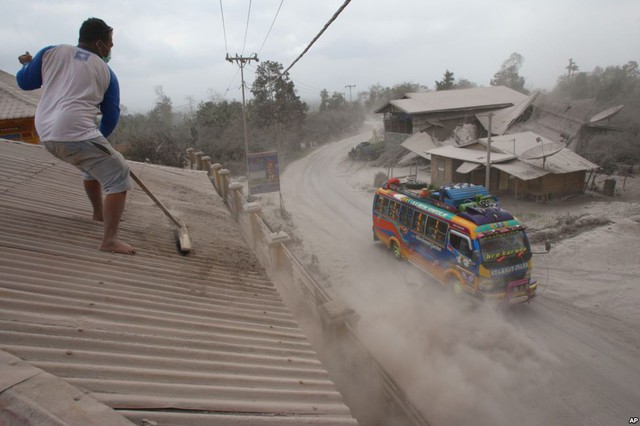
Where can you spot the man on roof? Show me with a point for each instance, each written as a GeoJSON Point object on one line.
{"type": "Point", "coordinates": [78, 85]}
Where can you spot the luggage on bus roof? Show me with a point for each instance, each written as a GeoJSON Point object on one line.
{"type": "Point", "coordinates": [457, 194]}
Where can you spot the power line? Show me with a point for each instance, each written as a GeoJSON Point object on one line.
{"type": "Point", "coordinates": [326, 26]}
{"type": "Point", "coordinates": [224, 30]}
{"type": "Point", "coordinates": [333, 18]}
{"type": "Point", "coordinates": [231, 82]}
{"type": "Point", "coordinates": [246, 30]}
{"type": "Point", "coordinates": [271, 27]}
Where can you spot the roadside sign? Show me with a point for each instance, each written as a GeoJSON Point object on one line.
{"type": "Point", "coordinates": [263, 173]}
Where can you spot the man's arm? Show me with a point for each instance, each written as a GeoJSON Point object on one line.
{"type": "Point", "coordinates": [30, 76]}
{"type": "Point", "coordinates": [110, 106]}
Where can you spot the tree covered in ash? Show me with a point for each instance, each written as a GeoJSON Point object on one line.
{"type": "Point", "coordinates": [608, 87]}
{"type": "Point", "coordinates": [448, 82]}
{"type": "Point", "coordinates": [509, 74]}
{"type": "Point", "coordinates": [277, 119]}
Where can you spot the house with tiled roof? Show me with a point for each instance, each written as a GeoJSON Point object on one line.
{"type": "Point", "coordinates": [17, 110]}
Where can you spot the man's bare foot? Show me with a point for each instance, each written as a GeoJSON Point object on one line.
{"type": "Point", "coordinates": [98, 217]}
{"type": "Point", "coordinates": [118, 247]}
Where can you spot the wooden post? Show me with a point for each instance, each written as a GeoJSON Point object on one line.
{"type": "Point", "coordinates": [217, 181]}
{"type": "Point", "coordinates": [199, 155]}
{"type": "Point", "coordinates": [206, 164]}
{"type": "Point", "coordinates": [236, 193]}
{"type": "Point", "coordinates": [276, 239]}
{"type": "Point", "coordinates": [224, 178]}
{"type": "Point", "coordinates": [190, 156]}
{"type": "Point", "coordinates": [254, 210]}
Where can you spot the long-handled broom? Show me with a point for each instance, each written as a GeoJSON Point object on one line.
{"type": "Point", "coordinates": [184, 241]}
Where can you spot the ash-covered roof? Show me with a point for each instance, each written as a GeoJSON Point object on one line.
{"type": "Point", "coordinates": [494, 97]}
{"type": "Point", "coordinates": [15, 102]}
{"type": "Point", "coordinates": [203, 339]}
{"type": "Point", "coordinates": [502, 119]}
{"type": "Point", "coordinates": [538, 151]}
{"type": "Point", "coordinates": [419, 144]}
{"type": "Point", "coordinates": [525, 155]}
{"type": "Point", "coordinates": [471, 155]}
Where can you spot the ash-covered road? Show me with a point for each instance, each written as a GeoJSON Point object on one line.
{"type": "Point", "coordinates": [558, 361]}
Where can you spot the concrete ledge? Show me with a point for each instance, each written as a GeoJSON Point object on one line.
{"type": "Point", "coordinates": [30, 396]}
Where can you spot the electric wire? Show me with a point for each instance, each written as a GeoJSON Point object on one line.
{"type": "Point", "coordinates": [299, 86]}
{"type": "Point", "coordinates": [271, 27]}
{"type": "Point", "coordinates": [333, 18]}
{"type": "Point", "coordinates": [326, 26]}
{"type": "Point", "coordinates": [230, 83]}
{"type": "Point", "coordinates": [246, 30]}
{"type": "Point", "coordinates": [224, 30]}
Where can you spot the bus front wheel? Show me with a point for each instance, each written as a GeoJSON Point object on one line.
{"type": "Point", "coordinates": [395, 249]}
{"type": "Point", "coordinates": [455, 285]}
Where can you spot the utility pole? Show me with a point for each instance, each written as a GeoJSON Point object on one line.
{"type": "Point", "coordinates": [349, 86]}
{"type": "Point", "coordinates": [488, 168]}
{"type": "Point", "coordinates": [242, 61]}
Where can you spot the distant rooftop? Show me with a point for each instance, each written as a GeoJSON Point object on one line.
{"type": "Point", "coordinates": [15, 102]}
{"type": "Point", "coordinates": [460, 99]}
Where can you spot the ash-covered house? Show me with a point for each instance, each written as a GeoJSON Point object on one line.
{"type": "Point", "coordinates": [523, 164]}
{"type": "Point", "coordinates": [531, 151]}
{"type": "Point", "coordinates": [17, 110]}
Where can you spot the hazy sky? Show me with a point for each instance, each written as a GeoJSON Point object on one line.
{"type": "Point", "coordinates": [180, 45]}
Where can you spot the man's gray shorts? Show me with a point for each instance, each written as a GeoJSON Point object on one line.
{"type": "Point", "coordinates": [97, 160]}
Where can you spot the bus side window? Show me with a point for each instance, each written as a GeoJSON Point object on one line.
{"type": "Point", "coordinates": [432, 222]}
{"type": "Point", "coordinates": [406, 214]}
{"type": "Point", "coordinates": [378, 204]}
{"type": "Point", "coordinates": [394, 208]}
{"type": "Point", "coordinates": [418, 222]}
{"type": "Point", "coordinates": [441, 232]}
{"type": "Point", "coordinates": [385, 205]}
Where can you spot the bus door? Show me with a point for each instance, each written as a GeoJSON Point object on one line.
{"type": "Point", "coordinates": [466, 258]}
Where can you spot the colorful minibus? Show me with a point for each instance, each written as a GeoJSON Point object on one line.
{"type": "Point", "coordinates": [459, 235]}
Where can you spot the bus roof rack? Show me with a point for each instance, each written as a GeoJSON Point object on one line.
{"type": "Point", "coordinates": [473, 202]}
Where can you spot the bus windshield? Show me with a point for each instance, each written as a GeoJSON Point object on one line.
{"type": "Point", "coordinates": [498, 246]}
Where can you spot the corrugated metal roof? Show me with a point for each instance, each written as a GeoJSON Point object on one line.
{"type": "Point", "coordinates": [470, 155]}
{"type": "Point", "coordinates": [420, 143]}
{"type": "Point", "coordinates": [503, 118]}
{"type": "Point", "coordinates": [14, 102]}
{"type": "Point", "coordinates": [558, 119]}
{"type": "Point", "coordinates": [521, 170]}
{"type": "Point", "coordinates": [467, 167]}
{"type": "Point", "coordinates": [461, 99]}
{"type": "Point", "coordinates": [563, 161]}
{"type": "Point", "coordinates": [198, 340]}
